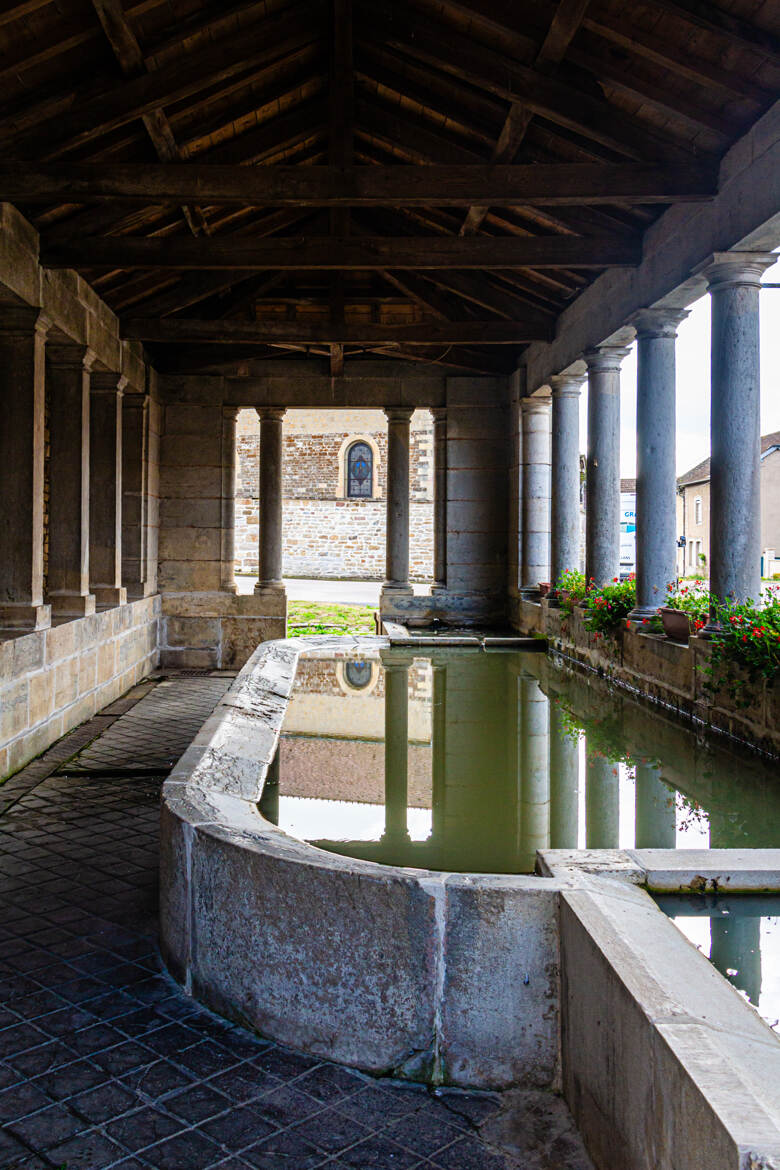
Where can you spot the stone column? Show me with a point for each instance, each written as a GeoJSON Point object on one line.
{"type": "Point", "coordinates": [656, 819]}
{"type": "Point", "coordinates": [565, 504]}
{"type": "Point", "coordinates": [734, 279]}
{"type": "Point", "coordinates": [534, 772]}
{"type": "Point", "coordinates": [135, 470]}
{"type": "Point", "coordinates": [564, 784]}
{"type": "Point", "coordinates": [270, 548]}
{"type": "Point", "coordinates": [602, 803]}
{"type": "Point", "coordinates": [735, 949]}
{"type": "Point", "coordinates": [439, 498]}
{"type": "Point", "coordinates": [22, 398]}
{"type": "Point", "coordinates": [228, 513]}
{"type": "Point", "coordinates": [536, 494]}
{"type": "Point", "coordinates": [656, 458]}
{"type": "Point", "coordinates": [602, 483]}
{"type": "Point", "coordinates": [68, 377]}
{"type": "Point", "coordinates": [397, 559]}
{"type": "Point", "coordinates": [396, 748]}
{"type": "Point", "coordinates": [105, 489]}
{"type": "Point", "coordinates": [439, 751]}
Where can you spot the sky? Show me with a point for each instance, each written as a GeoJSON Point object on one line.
{"type": "Point", "coordinates": [693, 383]}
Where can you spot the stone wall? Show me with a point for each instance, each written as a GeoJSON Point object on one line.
{"type": "Point", "coordinates": [325, 534]}
{"type": "Point", "coordinates": [52, 680]}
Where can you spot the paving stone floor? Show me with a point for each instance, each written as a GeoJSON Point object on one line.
{"type": "Point", "coordinates": [104, 1062]}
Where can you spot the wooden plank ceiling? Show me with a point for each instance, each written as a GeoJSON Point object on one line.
{"type": "Point", "coordinates": [431, 180]}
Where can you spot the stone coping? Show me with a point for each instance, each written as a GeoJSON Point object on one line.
{"type": "Point", "coordinates": [689, 871]}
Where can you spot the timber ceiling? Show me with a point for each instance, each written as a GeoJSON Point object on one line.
{"type": "Point", "coordinates": [430, 179]}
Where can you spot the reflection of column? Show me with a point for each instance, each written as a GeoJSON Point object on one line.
{"type": "Point", "coordinates": [736, 947]}
{"type": "Point", "coordinates": [439, 751]}
{"type": "Point", "coordinates": [270, 545]}
{"type": "Point", "coordinates": [564, 784]}
{"type": "Point", "coordinates": [67, 371]}
{"type": "Point", "coordinates": [22, 393]}
{"type": "Point", "coordinates": [656, 817]}
{"type": "Point", "coordinates": [534, 772]}
{"type": "Point", "coordinates": [602, 803]}
{"type": "Point", "coordinates": [656, 484]}
{"type": "Point", "coordinates": [105, 489]}
{"type": "Point", "coordinates": [396, 748]}
{"type": "Point", "coordinates": [269, 800]}
{"type": "Point", "coordinates": [439, 497]}
{"type": "Point", "coordinates": [536, 493]}
{"type": "Point", "coordinates": [397, 533]}
{"type": "Point", "coordinates": [602, 482]}
{"type": "Point", "coordinates": [228, 517]}
{"type": "Point", "coordinates": [735, 535]}
{"type": "Point", "coordinates": [565, 506]}
{"type": "Point", "coordinates": [135, 463]}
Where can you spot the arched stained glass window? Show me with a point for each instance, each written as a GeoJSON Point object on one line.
{"type": "Point", "coordinates": [360, 468]}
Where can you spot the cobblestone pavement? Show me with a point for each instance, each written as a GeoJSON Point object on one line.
{"type": "Point", "coordinates": [104, 1062]}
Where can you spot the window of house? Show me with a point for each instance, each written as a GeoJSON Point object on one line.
{"type": "Point", "coordinates": [697, 510]}
{"type": "Point", "coordinates": [360, 471]}
{"type": "Point", "coordinates": [690, 552]}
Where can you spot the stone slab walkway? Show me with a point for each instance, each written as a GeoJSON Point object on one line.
{"type": "Point", "coordinates": [104, 1062]}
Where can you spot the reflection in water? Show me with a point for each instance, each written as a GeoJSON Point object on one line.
{"type": "Point", "coordinates": [472, 761]}
{"type": "Point", "coordinates": [741, 937]}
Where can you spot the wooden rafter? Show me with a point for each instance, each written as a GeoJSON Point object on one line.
{"type": "Point", "coordinates": [186, 331]}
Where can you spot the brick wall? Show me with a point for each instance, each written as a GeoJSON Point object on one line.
{"type": "Point", "coordinates": [326, 535]}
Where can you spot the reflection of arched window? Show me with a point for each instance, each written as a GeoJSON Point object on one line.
{"type": "Point", "coordinates": [360, 468]}
{"type": "Point", "coordinates": [357, 673]}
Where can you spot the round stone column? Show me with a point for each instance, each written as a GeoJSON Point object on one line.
{"type": "Point", "coordinates": [656, 458]}
{"type": "Point", "coordinates": [564, 784]}
{"type": "Point", "coordinates": [439, 497]}
{"type": "Point", "coordinates": [536, 494]}
{"type": "Point", "coordinates": [396, 675]}
{"type": "Point", "coordinates": [734, 279]}
{"type": "Point", "coordinates": [602, 485]}
{"type": "Point", "coordinates": [270, 567]}
{"type": "Point", "coordinates": [397, 546]}
{"type": "Point", "coordinates": [656, 817]}
{"type": "Point", "coordinates": [228, 518]}
{"type": "Point", "coordinates": [534, 772]}
{"type": "Point", "coordinates": [602, 803]}
{"type": "Point", "coordinates": [565, 478]}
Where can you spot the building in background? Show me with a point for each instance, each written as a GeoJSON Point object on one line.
{"type": "Point", "coordinates": [627, 527]}
{"type": "Point", "coordinates": [334, 494]}
{"type": "Point", "coordinates": [693, 513]}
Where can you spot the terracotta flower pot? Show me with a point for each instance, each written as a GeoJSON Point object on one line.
{"type": "Point", "coordinates": [678, 625]}
{"type": "Point", "coordinates": [544, 588]}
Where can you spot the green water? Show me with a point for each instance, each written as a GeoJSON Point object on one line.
{"type": "Point", "coordinates": [461, 760]}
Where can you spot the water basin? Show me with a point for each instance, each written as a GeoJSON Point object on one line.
{"type": "Point", "coordinates": [467, 760]}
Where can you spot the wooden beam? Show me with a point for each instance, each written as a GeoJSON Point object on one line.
{"type": "Point", "coordinates": [552, 184]}
{"type": "Point", "coordinates": [567, 18]}
{"type": "Point", "coordinates": [188, 331]}
{"type": "Point", "coordinates": [249, 49]}
{"type": "Point", "coordinates": [11, 12]}
{"type": "Point", "coordinates": [708, 16]}
{"type": "Point", "coordinates": [238, 252]}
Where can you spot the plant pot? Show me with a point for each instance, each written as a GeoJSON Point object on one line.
{"type": "Point", "coordinates": [678, 625]}
{"type": "Point", "coordinates": [544, 588]}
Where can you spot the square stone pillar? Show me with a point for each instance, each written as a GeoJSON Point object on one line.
{"type": "Point", "coordinates": [105, 482]}
{"type": "Point", "coordinates": [135, 502]}
{"type": "Point", "coordinates": [22, 404]}
{"type": "Point", "coordinates": [68, 377]}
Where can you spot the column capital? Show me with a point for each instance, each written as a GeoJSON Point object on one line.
{"type": "Point", "coordinates": [658, 322]}
{"type": "Point", "coordinates": [70, 355]}
{"type": "Point", "coordinates": [439, 413]}
{"type": "Point", "coordinates": [533, 405]}
{"type": "Point", "coordinates": [398, 413]}
{"type": "Point", "coordinates": [605, 358]}
{"type": "Point", "coordinates": [109, 382]}
{"type": "Point", "coordinates": [21, 320]}
{"type": "Point", "coordinates": [566, 385]}
{"type": "Point", "coordinates": [231, 412]}
{"type": "Point", "coordinates": [722, 269]}
{"type": "Point", "coordinates": [135, 399]}
{"type": "Point", "coordinates": [269, 413]}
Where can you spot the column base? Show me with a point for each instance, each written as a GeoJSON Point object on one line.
{"type": "Point", "coordinates": [109, 596]}
{"type": "Point", "coordinates": [20, 616]}
{"type": "Point", "coordinates": [71, 605]}
{"type": "Point", "coordinates": [711, 630]}
{"type": "Point", "coordinates": [269, 589]}
{"type": "Point", "coordinates": [138, 590]}
{"type": "Point", "coordinates": [395, 590]}
{"type": "Point", "coordinates": [438, 587]}
{"type": "Point", "coordinates": [530, 593]}
{"type": "Point", "coordinates": [642, 613]}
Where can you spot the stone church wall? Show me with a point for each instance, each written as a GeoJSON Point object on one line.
{"type": "Point", "coordinates": [325, 534]}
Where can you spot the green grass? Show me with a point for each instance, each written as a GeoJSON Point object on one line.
{"type": "Point", "coordinates": [309, 617]}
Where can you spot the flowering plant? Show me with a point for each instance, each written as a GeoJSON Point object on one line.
{"type": "Point", "coordinates": [607, 606]}
{"type": "Point", "coordinates": [570, 587]}
{"type": "Point", "coordinates": [747, 648]}
{"type": "Point", "coordinates": [692, 598]}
